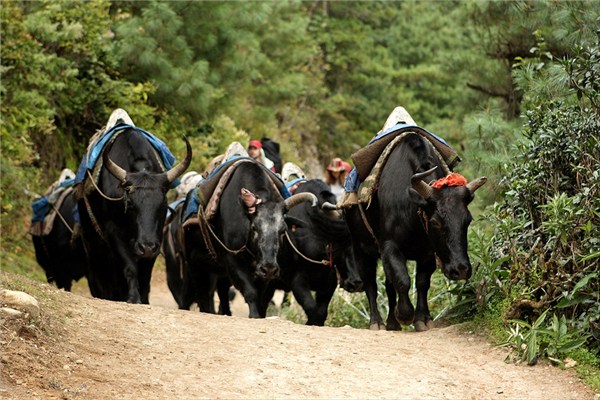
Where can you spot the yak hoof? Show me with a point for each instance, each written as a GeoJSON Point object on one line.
{"type": "Point", "coordinates": [430, 324]}
{"type": "Point", "coordinates": [420, 326]}
{"type": "Point", "coordinates": [376, 326]}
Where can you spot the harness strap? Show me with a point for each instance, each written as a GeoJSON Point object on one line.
{"type": "Point", "coordinates": [93, 217]}
{"type": "Point", "coordinates": [367, 225]}
{"type": "Point", "coordinates": [100, 191]}
{"type": "Point", "coordinates": [322, 262]}
{"type": "Point", "coordinates": [62, 218]}
{"type": "Point", "coordinates": [243, 248]}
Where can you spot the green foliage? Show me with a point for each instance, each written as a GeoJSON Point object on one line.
{"type": "Point", "coordinates": [544, 252]}
{"type": "Point", "coordinates": [531, 341]}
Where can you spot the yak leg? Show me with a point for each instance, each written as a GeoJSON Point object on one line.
{"type": "Point", "coordinates": [423, 320]}
{"type": "Point", "coordinates": [267, 290]}
{"type": "Point", "coordinates": [367, 267]}
{"type": "Point", "coordinates": [144, 277]}
{"type": "Point", "coordinates": [133, 289]}
{"type": "Point", "coordinates": [323, 299]}
{"type": "Point", "coordinates": [205, 284]}
{"type": "Point", "coordinates": [188, 292]}
{"type": "Point", "coordinates": [243, 282]}
{"type": "Point", "coordinates": [302, 293]}
{"type": "Point", "coordinates": [223, 286]}
{"type": "Point", "coordinates": [392, 323]}
{"type": "Point", "coordinates": [394, 264]}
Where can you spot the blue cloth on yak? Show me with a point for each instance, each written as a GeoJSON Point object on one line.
{"type": "Point", "coordinates": [352, 182]}
{"type": "Point", "coordinates": [41, 207]}
{"type": "Point", "coordinates": [194, 202]}
{"type": "Point", "coordinates": [89, 160]}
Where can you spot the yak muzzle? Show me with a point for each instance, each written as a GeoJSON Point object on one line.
{"type": "Point", "coordinates": [267, 271]}
{"type": "Point", "coordinates": [352, 285]}
{"type": "Point", "coordinates": [458, 272]}
{"type": "Point", "coordinates": [147, 249]}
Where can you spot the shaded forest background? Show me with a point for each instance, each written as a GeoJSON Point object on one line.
{"type": "Point", "coordinates": [512, 86]}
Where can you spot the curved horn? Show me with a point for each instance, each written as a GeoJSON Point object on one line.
{"type": "Point", "coordinates": [476, 184]}
{"type": "Point", "coordinates": [420, 186]}
{"type": "Point", "coordinates": [327, 206]}
{"type": "Point", "coordinates": [180, 168]}
{"type": "Point", "coordinates": [331, 210]}
{"type": "Point", "coordinates": [299, 198]}
{"type": "Point", "coordinates": [114, 169]}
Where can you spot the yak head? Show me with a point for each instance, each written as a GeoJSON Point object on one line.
{"type": "Point", "coordinates": [446, 218]}
{"type": "Point", "coordinates": [329, 226]}
{"type": "Point", "coordinates": [267, 229]}
{"type": "Point", "coordinates": [145, 202]}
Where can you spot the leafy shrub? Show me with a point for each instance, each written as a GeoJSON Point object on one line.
{"type": "Point", "coordinates": [546, 245]}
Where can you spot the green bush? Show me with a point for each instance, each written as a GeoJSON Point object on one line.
{"type": "Point", "coordinates": [543, 257]}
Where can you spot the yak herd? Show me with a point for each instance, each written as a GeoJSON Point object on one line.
{"type": "Point", "coordinates": [244, 226]}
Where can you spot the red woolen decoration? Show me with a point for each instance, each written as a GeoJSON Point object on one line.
{"type": "Point", "coordinates": [450, 180]}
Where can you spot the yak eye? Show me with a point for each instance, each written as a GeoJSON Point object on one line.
{"type": "Point", "coordinates": [436, 223]}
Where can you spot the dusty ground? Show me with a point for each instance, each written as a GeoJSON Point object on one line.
{"type": "Point", "coordinates": [85, 348]}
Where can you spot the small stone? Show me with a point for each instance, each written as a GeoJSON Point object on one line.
{"type": "Point", "coordinates": [78, 361]}
{"type": "Point", "coordinates": [20, 301]}
{"type": "Point", "coordinates": [10, 313]}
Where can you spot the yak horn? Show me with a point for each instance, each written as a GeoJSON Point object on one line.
{"type": "Point", "coordinates": [425, 190]}
{"type": "Point", "coordinates": [476, 184]}
{"type": "Point", "coordinates": [327, 206]}
{"type": "Point", "coordinates": [331, 210]}
{"type": "Point", "coordinates": [180, 168]}
{"type": "Point", "coordinates": [299, 198]}
{"type": "Point", "coordinates": [114, 169]}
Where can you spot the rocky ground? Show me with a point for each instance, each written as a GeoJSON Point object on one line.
{"type": "Point", "coordinates": [83, 348]}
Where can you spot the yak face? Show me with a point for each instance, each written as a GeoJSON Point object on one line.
{"type": "Point", "coordinates": [267, 227]}
{"type": "Point", "coordinates": [447, 220]}
{"type": "Point", "coordinates": [448, 226]}
{"type": "Point", "coordinates": [144, 190]}
{"type": "Point", "coordinates": [145, 210]}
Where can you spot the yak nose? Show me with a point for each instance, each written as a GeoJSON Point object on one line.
{"type": "Point", "coordinates": [459, 272]}
{"type": "Point", "coordinates": [267, 271]}
{"type": "Point", "coordinates": [352, 285]}
{"type": "Point", "coordinates": [147, 249]}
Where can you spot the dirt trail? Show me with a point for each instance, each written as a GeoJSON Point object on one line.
{"type": "Point", "coordinates": [108, 350]}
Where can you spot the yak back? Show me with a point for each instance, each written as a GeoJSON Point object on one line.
{"type": "Point", "coordinates": [411, 156]}
{"type": "Point", "coordinates": [131, 151]}
{"type": "Point", "coordinates": [323, 225]}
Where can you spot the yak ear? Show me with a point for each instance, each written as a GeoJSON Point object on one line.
{"type": "Point", "coordinates": [250, 200]}
{"type": "Point", "coordinates": [417, 198]}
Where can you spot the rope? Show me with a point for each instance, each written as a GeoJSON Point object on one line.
{"type": "Point", "coordinates": [367, 225]}
{"type": "Point", "coordinates": [62, 218]}
{"type": "Point", "coordinates": [323, 262]}
{"type": "Point", "coordinates": [93, 218]}
{"type": "Point", "coordinates": [100, 191]}
{"type": "Point", "coordinates": [223, 244]}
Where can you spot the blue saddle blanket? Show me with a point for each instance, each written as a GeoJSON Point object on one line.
{"type": "Point", "coordinates": [352, 182]}
{"type": "Point", "coordinates": [89, 160]}
{"type": "Point", "coordinates": [41, 207]}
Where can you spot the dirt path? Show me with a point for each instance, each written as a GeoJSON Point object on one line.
{"type": "Point", "coordinates": [107, 350]}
